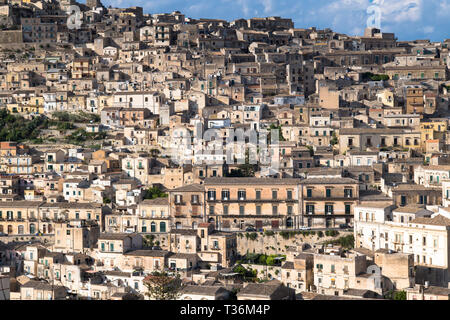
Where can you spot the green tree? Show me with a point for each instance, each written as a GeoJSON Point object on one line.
{"type": "Point", "coordinates": [154, 192]}
{"type": "Point", "coordinates": [334, 140]}
{"type": "Point", "coordinates": [280, 132]}
{"type": "Point", "coordinates": [400, 295]}
{"type": "Point", "coordinates": [162, 286]}
{"type": "Point", "coordinates": [270, 261]}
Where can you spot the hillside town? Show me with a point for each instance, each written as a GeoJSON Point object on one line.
{"type": "Point", "coordinates": [237, 160]}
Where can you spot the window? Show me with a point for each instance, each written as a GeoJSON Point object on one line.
{"type": "Point", "coordinates": [328, 209]}
{"type": "Point", "coordinates": [348, 208]}
{"type": "Point", "coordinates": [289, 210]}
{"type": "Point", "coordinates": [328, 193]}
{"type": "Point", "coordinates": [258, 210]}
{"type": "Point", "coordinates": [258, 194]}
{"type": "Point", "coordinates": [348, 193]}
{"type": "Point", "coordinates": [211, 209]}
{"type": "Point", "coordinates": [309, 193]}
{"type": "Point", "coordinates": [241, 194]}
{"type": "Point", "coordinates": [402, 201]}
{"type": "Point", "coordinates": [274, 194]}
{"type": "Point", "coordinates": [225, 194]}
{"type": "Point", "coordinates": [225, 210]}
{"type": "Point", "coordinates": [241, 210]}
{"type": "Point", "coordinates": [309, 209]}
{"type": "Point", "coordinates": [289, 195]}
{"type": "Point", "coordinates": [274, 210]}
{"type": "Point", "coordinates": [212, 195]}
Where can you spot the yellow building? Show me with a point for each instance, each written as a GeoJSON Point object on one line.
{"type": "Point", "coordinates": [25, 109]}
{"type": "Point", "coordinates": [432, 130]}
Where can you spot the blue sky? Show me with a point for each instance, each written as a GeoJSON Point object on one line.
{"type": "Point", "coordinates": [409, 19]}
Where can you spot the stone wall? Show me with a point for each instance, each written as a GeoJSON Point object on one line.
{"type": "Point", "coordinates": [10, 36]}
{"type": "Point", "coordinates": [276, 244]}
{"type": "Point", "coordinates": [20, 237]}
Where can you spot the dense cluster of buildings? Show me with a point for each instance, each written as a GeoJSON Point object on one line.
{"type": "Point", "coordinates": [363, 143]}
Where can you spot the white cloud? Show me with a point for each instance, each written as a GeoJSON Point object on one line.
{"type": "Point", "coordinates": [444, 8]}
{"type": "Point", "coordinates": [354, 14]}
{"type": "Point", "coordinates": [428, 29]}
{"type": "Point", "coordinates": [268, 6]}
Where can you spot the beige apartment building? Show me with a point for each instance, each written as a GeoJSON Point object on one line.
{"type": "Point", "coordinates": [211, 246]}
{"type": "Point", "coordinates": [76, 236]}
{"type": "Point", "coordinates": [335, 272]}
{"type": "Point", "coordinates": [144, 260]}
{"type": "Point", "coordinates": [37, 290]}
{"type": "Point", "coordinates": [298, 274]}
{"type": "Point", "coordinates": [361, 139]}
{"type": "Point", "coordinates": [262, 203]}
{"type": "Point", "coordinates": [153, 216]}
{"type": "Point", "coordinates": [328, 202]}
{"type": "Point", "coordinates": [187, 206]}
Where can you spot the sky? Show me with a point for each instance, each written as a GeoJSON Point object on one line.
{"type": "Point", "coordinates": [408, 19]}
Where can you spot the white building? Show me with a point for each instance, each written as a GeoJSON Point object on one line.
{"type": "Point", "coordinates": [139, 99]}
{"type": "Point", "coordinates": [431, 175]}
{"type": "Point", "coordinates": [411, 229]}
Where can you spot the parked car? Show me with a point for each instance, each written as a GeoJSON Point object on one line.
{"type": "Point", "coordinates": [250, 229]}
{"type": "Point", "coordinates": [305, 228]}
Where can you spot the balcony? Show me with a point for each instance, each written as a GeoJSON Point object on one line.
{"type": "Point", "coordinates": [245, 200]}
{"type": "Point", "coordinates": [337, 198]}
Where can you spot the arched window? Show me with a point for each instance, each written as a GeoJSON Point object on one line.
{"type": "Point", "coordinates": [289, 223]}
{"type": "Point", "coordinates": [153, 227]}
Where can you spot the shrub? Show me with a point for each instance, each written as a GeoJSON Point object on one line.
{"type": "Point", "coordinates": [270, 261]}
{"type": "Point", "coordinates": [285, 235]}
{"type": "Point", "coordinates": [251, 236]}
{"type": "Point", "coordinates": [400, 295]}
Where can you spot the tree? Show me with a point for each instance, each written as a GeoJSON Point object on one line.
{"type": "Point", "coordinates": [154, 192]}
{"type": "Point", "coordinates": [334, 140]}
{"type": "Point", "coordinates": [280, 132]}
{"type": "Point", "coordinates": [400, 295]}
{"type": "Point", "coordinates": [162, 286]}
